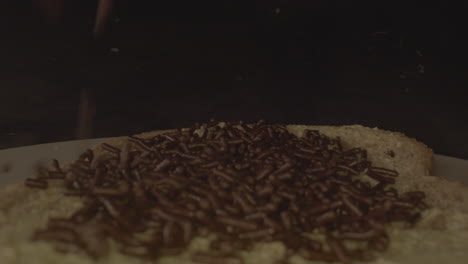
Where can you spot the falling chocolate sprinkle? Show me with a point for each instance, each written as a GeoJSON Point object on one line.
{"type": "Point", "coordinates": [360, 235]}
{"type": "Point", "coordinates": [245, 183]}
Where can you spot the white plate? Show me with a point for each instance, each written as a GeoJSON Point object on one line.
{"type": "Point", "coordinates": [22, 161]}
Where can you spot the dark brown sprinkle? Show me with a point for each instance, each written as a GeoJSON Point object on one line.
{"type": "Point", "coordinates": [347, 168]}
{"type": "Point", "coordinates": [84, 214]}
{"type": "Point", "coordinates": [84, 157]}
{"type": "Point", "coordinates": [349, 190]}
{"type": "Point", "coordinates": [56, 166]}
{"type": "Point", "coordinates": [162, 165]}
{"type": "Point", "coordinates": [139, 143]}
{"type": "Point", "coordinates": [246, 206]}
{"type": "Point", "coordinates": [53, 175]}
{"type": "Point", "coordinates": [36, 183]}
{"type": "Point", "coordinates": [239, 223]}
{"type": "Point", "coordinates": [413, 195]}
{"type": "Point", "coordinates": [325, 218]}
{"type": "Point", "coordinates": [226, 176]}
{"type": "Point", "coordinates": [264, 190]}
{"type": "Point", "coordinates": [269, 207]}
{"type": "Point", "coordinates": [422, 205]}
{"type": "Point", "coordinates": [263, 173]}
{"type": "Point", "coordinates": [403, 204]}
{"type": "Point", "coordinates": [255, 216]}
{"type": "Point", "coordinates": [110, 148]}
{"type": "Point", "coordinates": [216, 187]}
{"type": "Point", "coordinates": [169, 137]}
{"type": "Point", "coordinates": [185, 155]}
{"type": "Point", "coordinates": [383, 172]}
{"type": "Point", "coordinates": [121, 190]}
{"type": "Point", "coordinates": [171, 235]}
{"type": "Point", "coordinates": [381, 178]}
{"type": "Point", "coordinates": [258, 234]}
{"type": "Point", "coordinates": [248, 195]}
{"type": "Point", "coordinates": [338, 248]}
{"type": "Point", "coordinates": [287, 220]}
{"type": "Point", "coordinates": [360, 235]}
{"type": "Point", "coordinates": [318, 209]}
{"type": "Point", "coordinates": [287, 195]}
{"type": "Point", "coordinates": [352, 207]}
{"type": "Point", "coordinates": [245, 183]}
{"type": "Point", "coordinates": [210, 164]}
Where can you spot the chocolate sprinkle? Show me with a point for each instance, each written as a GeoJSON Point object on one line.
{"type": "Point", "coordinates": [244, 183]}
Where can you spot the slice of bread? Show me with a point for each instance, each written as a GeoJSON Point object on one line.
{"type": "Point", "coordinates": [441, 235]}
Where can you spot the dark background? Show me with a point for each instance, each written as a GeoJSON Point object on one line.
{"type": "Point", "coordinates": [391, 64]}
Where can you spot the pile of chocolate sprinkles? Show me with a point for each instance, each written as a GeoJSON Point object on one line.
{"type": "Point", "coordinates": [243, 183]}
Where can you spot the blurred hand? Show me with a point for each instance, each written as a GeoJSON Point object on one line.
{"type": "Point", "coordinates": [53, 10]}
